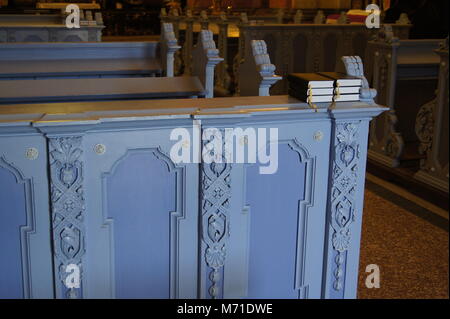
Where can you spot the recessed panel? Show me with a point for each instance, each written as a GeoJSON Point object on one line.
{"type": "Point", "coordinates": [274, 227]}
{"type": "Point", "coordinates": [140, 199]}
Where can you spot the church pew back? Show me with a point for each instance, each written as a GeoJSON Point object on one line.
{"type": "Point", "coordinates": [46, 60]}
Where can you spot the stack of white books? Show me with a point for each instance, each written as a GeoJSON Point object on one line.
{"type": "Point", "coordinates": [346, 88]}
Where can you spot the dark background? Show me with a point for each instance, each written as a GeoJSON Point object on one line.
{"type": "Point", "coordinates": [429, 17]}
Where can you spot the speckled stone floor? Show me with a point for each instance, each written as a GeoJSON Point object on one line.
{"type": "Point", "coordinates": [408, 243]}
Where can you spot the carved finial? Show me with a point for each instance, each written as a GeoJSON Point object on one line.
{"type": "Point", "coordinates": [265, 68]}
{"type": "Point", "coordinates": [354, 67]}
{"type": "Point", "coordinates": [207, 39]}
{"type": "Point", "coordinates": [169, 46]}
{"type": "Point", "coordinates": [404, 19]}
{"type": "Point", "coordinates": [206, 57]}
{"type": "Point", "coordinates": [298, 17]}
{"type": "Point", "coordinates": [319, 18]}
{"type": "Point", "coordinates": [169, 34]}
{"type": "Point", "coordinates": [188, 13]}
{"type": "Point", "coordinates": [343, 19]}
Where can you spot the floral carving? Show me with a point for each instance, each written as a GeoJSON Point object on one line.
{"type": "Point", "coordinates": [345, 175]}
{"type": "Point", "coordinates": [425, 127]}
{"type": "Point", "coordinates": [66, 172]}
{"type": "Point", "coordinates": [215, 199]}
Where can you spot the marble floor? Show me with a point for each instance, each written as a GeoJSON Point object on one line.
{"type": "Point", "coordinates": [408, 242]}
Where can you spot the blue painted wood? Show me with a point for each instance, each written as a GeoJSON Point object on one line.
{"type": "Point", "coordinates": [274, 222]}
{"type": "Point", "coordinates": [25, 244]}
{"type": "Point", "coordinates": [345, 206]}
{"type": "Point", "coordinates": [140, 197]}
{"type": "Point", "coordinates": [150, 228]}
{"type": "Point", "coordinates": [12, 218]}
{"type": "Point", "coordinates": [164, 199]}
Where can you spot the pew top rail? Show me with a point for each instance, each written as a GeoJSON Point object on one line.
{"type": "Point", "coordinates": [22, 118]}
{"type": "Point", "coordinates": [19, 60]}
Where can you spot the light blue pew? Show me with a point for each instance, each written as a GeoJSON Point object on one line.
{"type": "Point", "coordinates": [98, 179]}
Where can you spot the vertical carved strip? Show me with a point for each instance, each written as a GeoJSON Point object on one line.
{"type": "Point", "coordinates": [346, 157]}
{"type": "Point", "coordinates": [67, 202]}
{"type": "Point", "coordinates": [215, 183]}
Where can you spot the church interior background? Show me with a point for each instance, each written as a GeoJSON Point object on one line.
{"type": "Point", "coordinates": [79, 157]}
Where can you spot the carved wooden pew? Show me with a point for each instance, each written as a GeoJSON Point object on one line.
{"type": "Point", "coordinates": [405, 75]}
{"type": "Point", "coordinates": [50, 28]}
{"type": "Point", "coordinates": [200, 84]}
{"type": "Point", "coordinates": [79, 60]}
{"type": "Point", "coordinates": [88, 60]}
{"type": "Point", "coordinates": [432, 130]}
{"type": "Point", "coordinates": [77, 188]}
{"type": "Point", "coordinates": [308, 47]}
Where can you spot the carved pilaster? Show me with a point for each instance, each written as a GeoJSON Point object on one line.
{"type": "Point", "coordinates": [425, 127]}
{"type": "Point", "coordinates": [215, 181]}
{"type": "Point", "coordinates": [345, 172]}
{"type": "Point", "coordinates": [67, 208]}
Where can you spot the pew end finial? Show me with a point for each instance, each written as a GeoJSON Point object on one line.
{"type": "Point", "coordinates": [355, 67]}
{"type": "Point", "coordinates": [169, 45]}
{"type": "Point", "coordinates": [205, 58]}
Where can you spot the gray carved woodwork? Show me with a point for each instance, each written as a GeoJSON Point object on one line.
{"type": "Point", "coordinates": [345, 205]}
{"type": "Point", "coordinates": [392, 63]}
{"type": "Point", "coordinates": [67, 210]}
{"type": "Point", "coordinates": [215, 195]}
{"type": "Point", "coordinates": [432, 130]}
{"type": "Point", "coordinates": [346, 168]}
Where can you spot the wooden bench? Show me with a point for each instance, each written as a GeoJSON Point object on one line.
{"type": "Point", "coordinates": [108, 82]}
